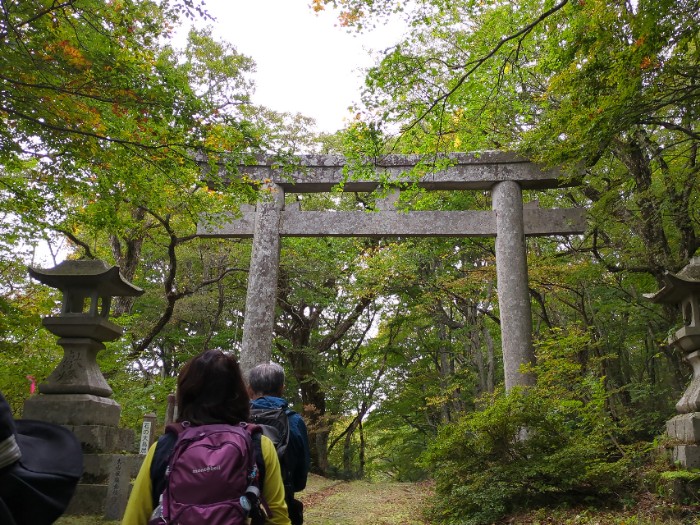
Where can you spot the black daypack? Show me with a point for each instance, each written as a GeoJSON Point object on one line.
{"type": "Point", "coordinates": [274, 423]}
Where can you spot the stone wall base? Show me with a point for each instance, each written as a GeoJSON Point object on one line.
{"type": "Point", "coordinates": [104, 439]}
{"type": "Point", "coordinates": [687, 455]}
{"type": "Point", "coordinates": [104, 488]}
{"type": "Point", "coordinates": [684, 427]}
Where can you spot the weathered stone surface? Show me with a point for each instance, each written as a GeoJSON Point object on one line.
{"type": "Point", "coordinates": [97, 466]}
{"type": "Point", "coordinates": [561, 221]}
{"type": "Point", "coordinates": [256, 346]}
{"type": "Point", "coordinates": [685, 427]}
{"type": "Point", "coordinates": [687, 338]}
{"type": "Point", "coordinates": [105, 485]}
{"type": "Point", "coordinates": [512, 284]}
{"type": "Point", "coordinates": [73, 409]}
{"type": "Point", "coordinates": [88, 499]}
{"type": "Point", "coordinates": [227, 225]}
{"type": "Point", "coordinates": [294, 223]}
{"type": "Point", "coordinates": [78, 372]}
{"type": "Point", "coordinates": [679, 490]}
{"type": "Point", "coordinates": [86, 274]}
{"type": "Point", "coordinates": [78, 326]}
{"type": "Point", "coordinates": [687, 455]}
{"type": "Point", "coordinates": [458, 171]}
{"type": "Point", "coordinates": [679, 287]}
{"type": "Point", "coordinates": [690, 401]}
{"type": "Point", "coordinates": [505, 174]}
{"type": "Point", "coordinates": [117, 488]}
{"type": "Point", "coordinates": [107, 439]}
{"type": "Point", "coordinates": [388, 223]}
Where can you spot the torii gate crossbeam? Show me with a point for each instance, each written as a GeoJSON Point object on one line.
{"type": "Point", "coordinates": [504, 174]}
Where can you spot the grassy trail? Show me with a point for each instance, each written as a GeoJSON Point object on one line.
{"type": "Point", "coordinates": [329, 502]}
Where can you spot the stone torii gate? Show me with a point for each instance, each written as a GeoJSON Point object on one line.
{"type": "Point", "coordinates": [504, 174]}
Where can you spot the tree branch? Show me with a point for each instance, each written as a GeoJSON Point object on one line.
{"type": "Point", "coordinates": [474, 65]}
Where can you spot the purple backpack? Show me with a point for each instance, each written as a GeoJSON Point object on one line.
{"type": "Point", "coordinates": [211, 477]}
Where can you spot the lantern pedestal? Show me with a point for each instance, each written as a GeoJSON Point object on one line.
{"type": "Point", "coordinates": [73, 409]}
{"type": "Point", "coordinates": [78, 372]}
{"type": "Point", "coordinates": [685, 428]}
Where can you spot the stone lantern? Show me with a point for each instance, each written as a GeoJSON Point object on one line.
{"type": "Point", "coordinates": [683, 289]}
{"type": "Point", "coordinates": [76, 392]}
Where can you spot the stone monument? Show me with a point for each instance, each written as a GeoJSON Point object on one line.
{"type": "Point", "coordinates": [683, 289]}
{"type": "Point", "coordinates": [76, 394]}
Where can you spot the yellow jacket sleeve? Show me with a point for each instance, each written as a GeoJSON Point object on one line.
{"type": "Point", "coordinates": [140, 505]}
{"type": "Point", "coordinates": [273, 489]}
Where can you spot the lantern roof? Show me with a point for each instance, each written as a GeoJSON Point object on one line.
{"type": "Point", "coordinates": [680, 285]}
{"type": "Point", "coordinates": [88, 274]}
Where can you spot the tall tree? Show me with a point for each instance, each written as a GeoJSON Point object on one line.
{"type": "Point", "coordinates": [108, 130]}
{"type": "Point", "coordinates": [324, 319]}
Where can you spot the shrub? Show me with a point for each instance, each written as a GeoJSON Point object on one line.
{"type": "Point", "coordinates": [524, 450]}
{"type": "Point", "coordinates": [550, 444]}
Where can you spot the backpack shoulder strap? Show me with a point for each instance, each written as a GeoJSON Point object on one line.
{"type": "Point", "coordinates": [161, 458]}
{"type": "Point", "coordinates": [253, 429]}
{"type": "Point", "coordinates": [259, 460]}
{"type": "Point", "coordinates": [256, 434]}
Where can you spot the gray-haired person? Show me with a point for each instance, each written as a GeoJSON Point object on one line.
{"type": "Point", "coordinates": [266, 384]}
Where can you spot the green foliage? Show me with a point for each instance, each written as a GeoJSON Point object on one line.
{"type": "Point", "coordinates": [685, 475]}
{"type": "Point", "coordinates": [553, 443]}
{"type": "Point", "coordinates": [524, 450]}
{"type": "Point", "coordinates": [100, 120]}
{"type": "Point", "coordinates": [393, 452]}
{"type": "Point", "coordinates": [26, 348]}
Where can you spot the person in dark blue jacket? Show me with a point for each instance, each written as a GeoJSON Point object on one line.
{"type": "Point", "coordinates": [266, 384]}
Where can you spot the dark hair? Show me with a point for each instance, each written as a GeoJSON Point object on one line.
{"type": "Point", "coordinates": [210, 389]}
{"type": "Point", "coordinates": [267, 379]}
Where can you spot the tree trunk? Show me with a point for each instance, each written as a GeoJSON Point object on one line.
{"type": "Point", "coordinates": [490, 360]}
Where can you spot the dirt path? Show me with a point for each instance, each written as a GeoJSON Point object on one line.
{"type": "Point", "coordinates": [329, 502]}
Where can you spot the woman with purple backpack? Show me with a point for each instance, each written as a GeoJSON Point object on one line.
{"type": "Point", "coordinates": [203, 469]}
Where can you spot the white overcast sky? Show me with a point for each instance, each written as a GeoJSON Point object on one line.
{"type": "Point", "coordinates": [305, 62]}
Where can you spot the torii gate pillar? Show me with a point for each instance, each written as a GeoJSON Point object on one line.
{"type": "Point", "coordinates": [261, 297]}
{"type": "Point", "coordinates": [511, 274]}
